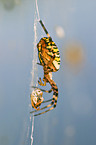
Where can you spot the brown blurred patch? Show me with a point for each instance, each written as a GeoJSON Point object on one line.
{"type": "Point", "coordinates": [74, 56]}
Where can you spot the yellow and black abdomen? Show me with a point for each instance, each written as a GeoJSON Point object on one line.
{"type": "Point", "coordinates": [48, 53]}
{"type": "Point", "coordinates": [56, 61]}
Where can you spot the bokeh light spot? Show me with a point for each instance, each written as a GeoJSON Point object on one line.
{"type": "Point", "coordinates": [60, 31]}
{"type": "Point", "coordinates": [70, 131]}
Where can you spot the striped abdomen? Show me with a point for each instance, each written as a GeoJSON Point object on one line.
{"type": "Point", "coordinates": [48, 53]}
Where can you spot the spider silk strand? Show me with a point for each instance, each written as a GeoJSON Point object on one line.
{"type": "Point", "coordinates": [37, 10]}
{"type": "Point", "coordinates": [34, 71]}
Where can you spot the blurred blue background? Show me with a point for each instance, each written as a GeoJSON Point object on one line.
{"type": "Point", "coordinates": [73, 122]}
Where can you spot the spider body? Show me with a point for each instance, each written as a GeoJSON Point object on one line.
{"type": "Point", "coordinates": [36, 98]}
{"type": "Point", "coordinates": [48, 51]}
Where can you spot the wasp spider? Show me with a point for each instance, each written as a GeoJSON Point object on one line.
{"type": "Point", "coordinates": [49, 58]}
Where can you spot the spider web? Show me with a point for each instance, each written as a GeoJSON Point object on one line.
{"type": "Point", "coordinates": [34, 71]}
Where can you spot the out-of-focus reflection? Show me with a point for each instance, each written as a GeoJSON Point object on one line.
{"type": "Point", "coordinates": [74, 56]}
{"type": "Point", "coordinates": [59, 31]}
{"type": "Point", "coordinates": [10, 4]}
{"type": "Point", "coordinates": [70, 131]}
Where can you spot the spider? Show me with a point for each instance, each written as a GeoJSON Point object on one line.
{"type": "Point", "coordinates": [47, 50]}
{"type": "Point", "coordinates": [36, 98]}
{"type": "Point", "coordinates": [49, 58]}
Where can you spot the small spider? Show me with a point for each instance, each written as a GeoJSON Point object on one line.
{"type": "Point", "coordinates": [36, 98]}
{"type": "Point", "coordinates": [49, 58]}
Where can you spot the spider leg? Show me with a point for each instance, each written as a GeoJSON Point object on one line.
{"type": "Point", "coordinates": [45, 111]}
{"type": "Point", "coordinates": [47, 101]}
{"type": "Point", "coordinates": [41, 83]}
{"type": "Point", "coordinates": [47, 107]}
{"type": "Point", "coordinates": [39, 63]}
{"type": "Point", "coordinates": [47, 91]}
{"type": "Point", "coordinates": [44, 107]}
{"type": "Point", "coordinates": [44, 28]}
